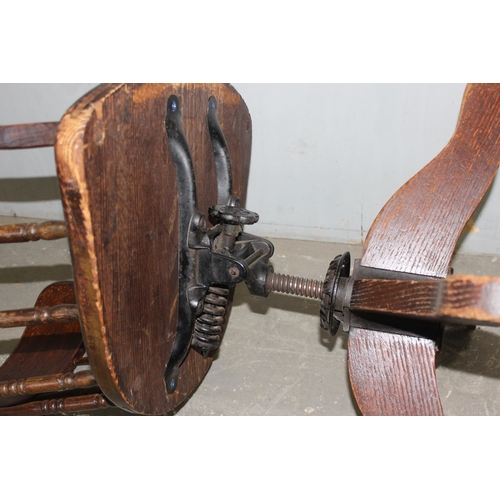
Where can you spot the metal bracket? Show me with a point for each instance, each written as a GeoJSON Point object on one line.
{"type": "Point", "coordinates": [211, 260]}
{"type": "Point", "coordinates": [385, 323]}
{"type": "Point", "coordinates": [221, 154]}
{"type": "Point", "coordinates": [335, 305]}
{"type": "Point", "coordinates": [181, 157]}
{"type": "Point", "coordinates": [221, 256]}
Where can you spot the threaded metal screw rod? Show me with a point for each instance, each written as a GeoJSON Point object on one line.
{"type": "Point", "coordinates": [303, 287]}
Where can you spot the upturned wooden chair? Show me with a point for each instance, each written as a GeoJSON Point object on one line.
{"type": "Point", "coordinates": [141, 167]}
{"type": "Point", "coordinates": [121, 201]}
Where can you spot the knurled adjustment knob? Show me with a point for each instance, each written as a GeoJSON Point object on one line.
{"type": "Point", "coordinates": [339, 268]}
{"type": "Point", "coordinates": [233, 215]}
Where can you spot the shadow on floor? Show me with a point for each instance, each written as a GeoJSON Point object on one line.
{"type": "Point", "coordinates": [28, 274]}
{"type": "Point", "coordinates": [471, 351]}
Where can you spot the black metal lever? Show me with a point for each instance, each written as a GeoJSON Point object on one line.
{"type": "Point", "coordinates": [181, 157]}
{"type": "Point", "coordinates": [221, 154]}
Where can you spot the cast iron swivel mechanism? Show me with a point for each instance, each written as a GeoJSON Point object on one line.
{"type": "Point", "coordinates": [212, 260]}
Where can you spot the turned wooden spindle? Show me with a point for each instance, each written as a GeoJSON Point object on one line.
{"type": "Point", "coordinates": [62, 313]}
{"type": "Point", "coordinates": [47, 383]}
{"type": "Point", "coordinates": [55, 406]}
{"type": "Point", "coordinates": [82, 361]}
{"type": "Point", "coordinates": [18, 233]}
{"type": "Point", "coordinates": [30, 135]}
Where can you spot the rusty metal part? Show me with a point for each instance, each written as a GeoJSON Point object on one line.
{"type": "Point", "coordinates": [332, 288]}
{"type": "Point", "coordinates": [209, 325]}
{"type": "Point", "coordinates": [294, 285]}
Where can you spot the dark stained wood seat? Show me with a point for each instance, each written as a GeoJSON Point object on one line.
{"type": "Point", "coordinates": [120, 196]}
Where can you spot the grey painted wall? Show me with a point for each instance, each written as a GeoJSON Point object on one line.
{"type": "Point", "coordinates": [325, 157]}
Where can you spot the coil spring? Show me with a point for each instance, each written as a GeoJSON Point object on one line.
{"type": "Point", "coordinates": [208, 326]}
{"type": "Point", "coordinates": [293, 285]}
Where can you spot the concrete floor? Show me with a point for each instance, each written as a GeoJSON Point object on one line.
{"type": "Point", "coordinates": [275, 359]}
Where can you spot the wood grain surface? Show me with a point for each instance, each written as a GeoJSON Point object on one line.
{"type": "Point", "coordinates": [120, 198]}
{"type": "Point", "coordinates": [418, 228]}
{"type": "Point", "coordinates": [393, 374]}
{"type": "Point", "coordinates": [458, 299]}
{"type": "Point", "coordinates": [45, 349]}
{"type": "Point", "coordinates": [416, 232]}
{"type": "Point", "coordinates": [30, 135]}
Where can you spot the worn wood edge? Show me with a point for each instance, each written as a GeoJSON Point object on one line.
{"type": "Point", "coordinates": [366, 259]}
{"type": "Point", "coordinates": [393, 375]}
{"type": "Point", "coordinates": [69, 151]}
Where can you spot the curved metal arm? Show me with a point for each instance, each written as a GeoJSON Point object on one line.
{"type": "Point", "coordinates": [181, 157]}
{"type": "Point", "coordinates": [221, 154]}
